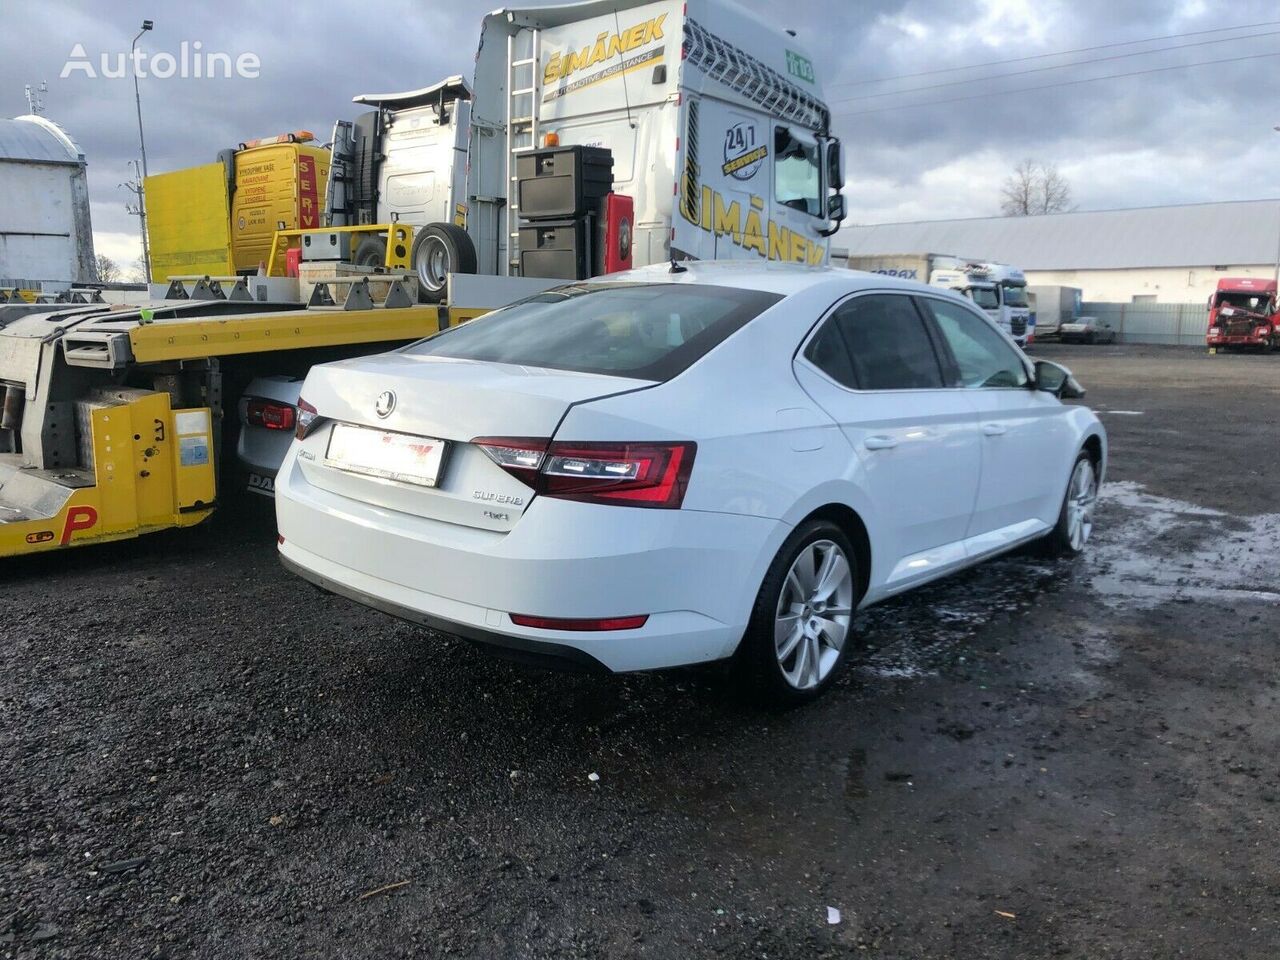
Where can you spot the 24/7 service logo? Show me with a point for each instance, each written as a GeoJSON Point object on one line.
{"type": "Point", "coordinates": [742, 154]}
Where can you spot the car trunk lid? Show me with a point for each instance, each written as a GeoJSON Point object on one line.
{"type": "Point", "coordinates": [412, 398]}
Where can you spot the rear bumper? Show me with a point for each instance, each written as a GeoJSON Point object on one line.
{"type": "Point", "coordinates": [539, 651]}
{"type": "Point", "coordinates": [694, 574]}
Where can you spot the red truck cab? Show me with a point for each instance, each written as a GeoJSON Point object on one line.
{"type": "Point", "coordinates": [1242, 313]}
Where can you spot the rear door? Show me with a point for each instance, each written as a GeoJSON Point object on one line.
{"type": "Point", "coordinates": [1024, 432]}
{"type": "Point", "coordinates": [873, 366]}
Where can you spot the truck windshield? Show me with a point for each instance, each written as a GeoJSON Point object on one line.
{"type": "Point", "coordinates": [1252, 302]}
{"type": "Point", "coordinates": [985, 297]}
{"type": "Point", "coordinates": [796, 181]}
{"type": "Point", "coordinates": [1015, 295]}
{"type": "Point", "coordinates": [650, 331]}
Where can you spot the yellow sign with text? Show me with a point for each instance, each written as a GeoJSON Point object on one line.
{"type": "Point", "coordinates": [562, 65]}
{"type": "Point", "coordinates": [750, 229]}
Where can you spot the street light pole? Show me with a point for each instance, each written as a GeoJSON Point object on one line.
{"type": "Point", "coordinates": [142, 146]}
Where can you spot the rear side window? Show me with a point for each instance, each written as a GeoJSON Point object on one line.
{"type": "Point", "coordinates": [985, 359]}
{"type": "Point", "coordinates": [886, 343]}
{"type": "Point", "coordinates": [645, 331]}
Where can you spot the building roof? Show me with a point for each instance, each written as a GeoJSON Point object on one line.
{"type": "Point", "coordinates": [1190, 235]}
{"type": "Point", "coordinates": [33, 139]}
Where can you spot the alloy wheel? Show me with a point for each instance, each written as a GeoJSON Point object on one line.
{"type": "Point", "coordinates": [1082, 495]}
{"type": "Point", "coordinates": [813, 614]}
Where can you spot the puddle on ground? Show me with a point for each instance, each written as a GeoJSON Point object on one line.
{"type": "Point", "coordinates": [1146, 550]}
{"type": "Point", "coordinates": [1157, 549]}
{"type": "Point", "coordinates": [917, 634]}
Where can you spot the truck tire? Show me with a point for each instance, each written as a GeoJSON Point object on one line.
{"type": "Point", "coordinates": [440, 249]}
{"type": "Point", "coordinates": [371, 252]}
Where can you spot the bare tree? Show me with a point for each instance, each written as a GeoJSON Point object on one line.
{"type": "Point", "coordinates": [1034, 188]}
{"type": "Point", "coordinates": [108, 271]}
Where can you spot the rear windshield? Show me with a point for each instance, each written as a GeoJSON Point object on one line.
{"type": "Point", "coordinates": [645, 331]}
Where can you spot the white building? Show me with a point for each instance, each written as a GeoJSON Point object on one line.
{"type": "Point", "coordinates": [1149, 254]}
{"type": "Point", "coordinates": [45, 233]}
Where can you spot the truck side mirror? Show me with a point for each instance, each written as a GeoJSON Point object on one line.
{"type": "Point", "coordinates": [833, 180]}
{"type": "Point", "coordinates": [834, 164]}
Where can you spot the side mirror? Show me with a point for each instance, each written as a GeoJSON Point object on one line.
{"type": "Point", "coordinates": [1056, 379]}
{"type": "Point", "coordinates": [837, 207]}
{"type": "Point", "coordinates": [835, 164]}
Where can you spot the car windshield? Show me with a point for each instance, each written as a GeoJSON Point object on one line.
{"type": "Point", "coordinates": [985, 297]}
{"type": "Point", "coordinates": [644, 331]}
{"type": "Point", "coordinates": [1015, 294]}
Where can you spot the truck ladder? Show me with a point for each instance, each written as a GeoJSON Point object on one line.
{"type": "Point", "coordinates": [522, 127]}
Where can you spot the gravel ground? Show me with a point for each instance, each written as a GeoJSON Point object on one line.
{"type": "Point", "coordinates": [201, 756]}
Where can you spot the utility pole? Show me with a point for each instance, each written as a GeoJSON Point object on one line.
{"type": "Point", "coordinates": [142, 147]}
{"type": "Point", "coordinates": [137, 207]}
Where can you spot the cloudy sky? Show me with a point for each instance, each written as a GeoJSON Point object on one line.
{"type": "Point", "coordinates": [1183, 135]}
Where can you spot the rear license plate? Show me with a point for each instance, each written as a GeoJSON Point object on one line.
{"type": "Point", "coordinates": [392, 456]}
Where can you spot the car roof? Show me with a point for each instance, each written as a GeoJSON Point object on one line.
{"type": "Point", "coordinates": [784, 279]}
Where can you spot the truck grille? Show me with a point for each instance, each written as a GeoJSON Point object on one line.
{"type": "Point", "coordinates": [1018, 325]}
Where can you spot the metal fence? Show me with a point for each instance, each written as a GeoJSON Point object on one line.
{"type": "Point", "coordinates": [1179, 324]}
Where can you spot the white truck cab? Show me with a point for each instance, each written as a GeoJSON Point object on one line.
{"type": "Point", "coordinates": [999, 289]}
{"type": "Point", "coordinates": [714, 119]}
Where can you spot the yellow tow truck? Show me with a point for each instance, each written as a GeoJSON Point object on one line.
{"type": "Point", "coordinates": [113, 418]}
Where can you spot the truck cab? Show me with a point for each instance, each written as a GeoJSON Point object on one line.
{"type": "Point", "coordinates": [999, 289]}
{"type": "Point", "coordinates": [405, 160]}
{"type": "Point", "coordinates": [1242, 313]}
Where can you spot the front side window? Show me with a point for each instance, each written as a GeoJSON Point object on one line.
{"type": "Point", "coordinates": [984, 357]}
{"type": "Point", "coordinates": [797, 181]}
{"type": "Point", "coordinates": [886, 345]}
{"type": "Point", "coordinates": [649, 331]}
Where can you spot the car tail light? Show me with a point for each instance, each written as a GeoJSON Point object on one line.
{"type": "Point", "coordinates": [519, 456]}
{"type": "Point", "coordinates": [270, 414]}
{"type": "Point", "coordinates": [630, 474]}
{"type": "Point", "coordinates": [308, 419]}
{"type": "Point", "coordinates": [601, 623]}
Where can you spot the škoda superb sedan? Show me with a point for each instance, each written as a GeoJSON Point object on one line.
{"type": "Point", "coordinates": [670, 467]}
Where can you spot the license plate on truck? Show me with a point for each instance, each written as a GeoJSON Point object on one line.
{"type": "Point", "coordinates": [391, 456]}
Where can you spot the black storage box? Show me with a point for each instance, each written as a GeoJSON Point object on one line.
{"type": "Point", "coordinates": [560, 182]}
{"type": "Point", "coordinates": [556, 249]}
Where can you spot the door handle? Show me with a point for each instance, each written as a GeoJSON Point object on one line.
{"type": "Point", "coordinates": [994, 429]}
{"type": "Point", "coordinates": [880, 442]}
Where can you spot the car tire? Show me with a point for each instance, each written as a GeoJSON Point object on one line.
{"type": "Point", "coordinates": [785, 666]}
{"type": "Point", "coordinates": [438, 250]}
{"type": "Point", "coordinates": [371, 252]}
{"type": "Point", "coordinates": [1075, 518]}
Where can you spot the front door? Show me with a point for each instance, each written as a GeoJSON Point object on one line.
{"type": "Point", "coordinates": [1023, 431]}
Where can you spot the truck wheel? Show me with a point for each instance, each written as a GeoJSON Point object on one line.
{"type": "Point", "coordinates": [372, 252]}
{"type": "Point", "coordinates": [440, 249]}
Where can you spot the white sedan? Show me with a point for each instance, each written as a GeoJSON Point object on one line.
{"type": "Point", "coordinates": [669, 467]}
